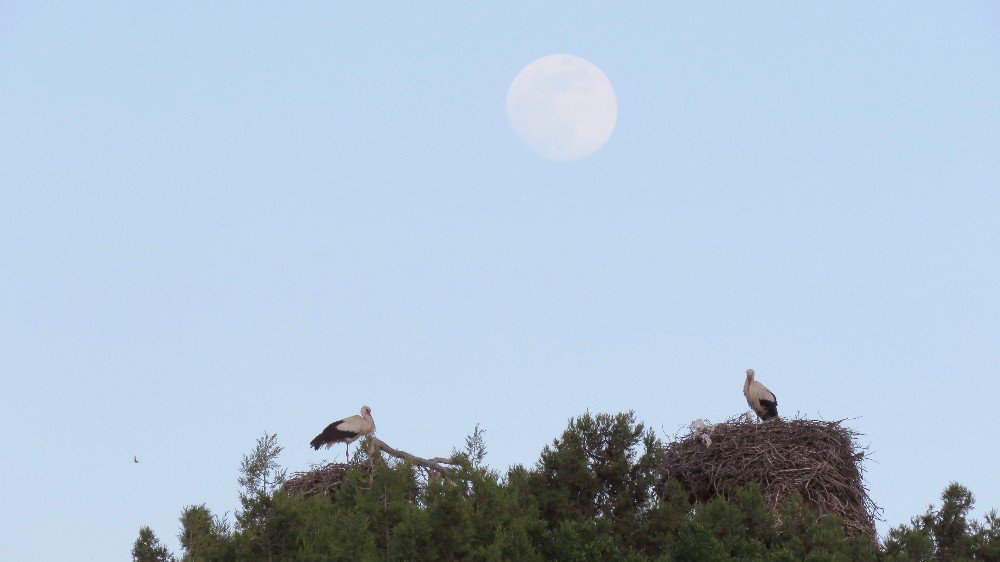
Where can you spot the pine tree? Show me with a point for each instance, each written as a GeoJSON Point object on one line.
{"type": "Point", "coordinates": [260, 476]}
{"type": "Point", "coordinates": [203, 536]}
{"type": "Point", "coordinates": [947, 533]}
{"type": "Point", "coordinates": [594, 494]}
{"type": "Point", "coordinates": [148, 548]}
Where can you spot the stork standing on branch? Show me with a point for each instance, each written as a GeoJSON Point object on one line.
{"type": "Point", "coordinates": [762, 401]}
{"type": "Point", "coordinates": [346, 430]}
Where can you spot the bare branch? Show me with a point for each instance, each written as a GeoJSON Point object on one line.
{"type": "Point", "coordinates": [430, 464]}
{"type": "Point", "coordinates": [328, 477]}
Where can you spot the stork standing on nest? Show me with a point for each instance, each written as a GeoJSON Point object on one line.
{"type": "Point", "coordinates": [346, 430]}
{"type": "Point", "coordinates": [762, 401]}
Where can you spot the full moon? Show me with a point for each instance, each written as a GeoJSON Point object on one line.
{"type": "Point", "coordinates": [563, 107]}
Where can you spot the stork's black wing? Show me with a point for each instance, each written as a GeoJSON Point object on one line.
{"type": "Point", "coordinates": [331, 435]}
{"type": "Point", "coordinates": [770, 408]}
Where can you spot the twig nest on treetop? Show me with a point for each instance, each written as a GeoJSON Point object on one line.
{"type": "Point", "coordinates": [325, 479]}
{"type": "Point", "coordinates": [819, 460]}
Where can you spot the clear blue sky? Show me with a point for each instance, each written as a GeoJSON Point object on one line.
{"type": "Point", "coordinates": [221, 219]}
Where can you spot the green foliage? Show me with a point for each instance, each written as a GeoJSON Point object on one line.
{"type": "Point", "coordinates": [475, 447]}
{"type": "Point", "coordinates": [602, 467]}
{"type": "Point", "coordinates": [947, 534]}
{"type": "Point", "coordinates": [592, 495]}
{"type": "Point", "coordinates": [203, 536]}
{"type": "Point", "coordinates": [987, 536]}
{"type": "Point", "coordinates": [260, 476]}
{"type": "Point", "coordinates": [148, 548]}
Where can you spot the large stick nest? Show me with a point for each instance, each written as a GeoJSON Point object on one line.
{"type": "Point", "coordinates": [327, 478]}
{"type": "Point", "coordinates": [819, 460]}
{"type": "Point", "coordinates": [324, 479]}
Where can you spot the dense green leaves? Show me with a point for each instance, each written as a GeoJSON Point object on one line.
{"type": "Point", "coordinates": [204, 536]}
{"type": "Point", "coordinates": [592, 495]}
{"type": "Point", "coordinates": [602, 467]}
{"type": "Point", "coordinates": [148, 548]}
{"type": "Point", "coordinates": [947, 533]}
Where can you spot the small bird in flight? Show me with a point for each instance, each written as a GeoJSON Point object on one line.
{"type": "Point", "coordinates": [135, 459]}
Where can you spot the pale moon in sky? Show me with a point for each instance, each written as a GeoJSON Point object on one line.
{"type": "Point", "coordinates": [563, 107]}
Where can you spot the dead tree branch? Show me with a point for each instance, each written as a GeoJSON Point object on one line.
{"type": "Point", "coordinates": [434, 464]}
{"type": "Point", "coordinates": [328, 477]}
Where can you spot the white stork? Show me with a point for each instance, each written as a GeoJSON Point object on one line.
{"type": "Point", "coordinates": [346, 430]}
{"type": "Point", "coordinates": [762, 401]}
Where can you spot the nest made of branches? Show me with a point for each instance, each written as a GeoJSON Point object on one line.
{"type": "Point", "coordinates": [819, 460]}
{"type": "Point", "coordinates": [327, 478]}
{"type": "Point", "coordinates": [323, 479]}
